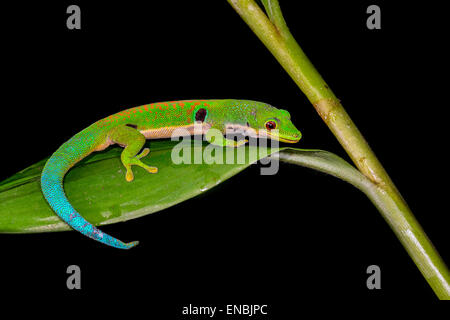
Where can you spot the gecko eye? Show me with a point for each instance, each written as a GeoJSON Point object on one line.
{"type": "Point", "coordinates": [270, 125]}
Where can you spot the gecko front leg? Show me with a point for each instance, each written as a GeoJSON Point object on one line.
{"type": "Point", "coordinates": [214, 137]}
{"type": "Point", "coordinates": [133, 141]}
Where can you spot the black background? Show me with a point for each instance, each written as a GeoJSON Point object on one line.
{"type": "Point", "coordinates": [282, 240]}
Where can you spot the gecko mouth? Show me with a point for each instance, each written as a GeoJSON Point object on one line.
{"type": "Point", "coordinates": [247, 131]}
{"type": "Point", "coordinates": [287, 140]}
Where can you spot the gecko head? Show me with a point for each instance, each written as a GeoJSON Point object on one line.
{"type": "Point", "coordinates": [273, 123]}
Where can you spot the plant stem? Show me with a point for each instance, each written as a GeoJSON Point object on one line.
{"type": "Point", "coordinates": [275, 35]}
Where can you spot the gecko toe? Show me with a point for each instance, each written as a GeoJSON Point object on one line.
{"type": "Point", "coordinates": [129, 175]}
{"type": "Point", "coordinates": [152, 169]}
{"type": "Point", "coordinates": [144, 153]}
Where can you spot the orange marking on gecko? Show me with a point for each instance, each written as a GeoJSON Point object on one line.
{"type": "Point", "coordinates": [192, 108]}
{"type": "Point", "coordinates": [179, 114]}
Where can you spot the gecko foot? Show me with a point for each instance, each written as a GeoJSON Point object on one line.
{"type": "Point", "coordinates": [137, 162]}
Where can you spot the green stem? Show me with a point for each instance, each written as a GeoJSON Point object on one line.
{"type": "Point", "coordinates": [275, 35]}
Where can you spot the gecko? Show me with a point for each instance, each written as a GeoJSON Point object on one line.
{"type": "Point", "coordinates": [130, 129]}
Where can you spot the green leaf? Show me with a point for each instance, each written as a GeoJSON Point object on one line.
{"type": "Point", "coordinates": [97, 187]}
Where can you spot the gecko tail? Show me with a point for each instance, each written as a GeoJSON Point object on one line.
{"type": "Point", "coordinates": [52, 188]}
{"type": "Point", "coordinates": [55, 196]}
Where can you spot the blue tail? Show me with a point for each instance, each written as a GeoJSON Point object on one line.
{"type": "Point", "coordinates": [52, 188]}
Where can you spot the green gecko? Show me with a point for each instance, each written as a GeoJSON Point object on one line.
{"type": "Point", "coordinates": [130, 129]}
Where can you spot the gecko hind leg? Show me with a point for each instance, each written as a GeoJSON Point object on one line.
{"type": "Point", "coordinates": [133, 141]}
